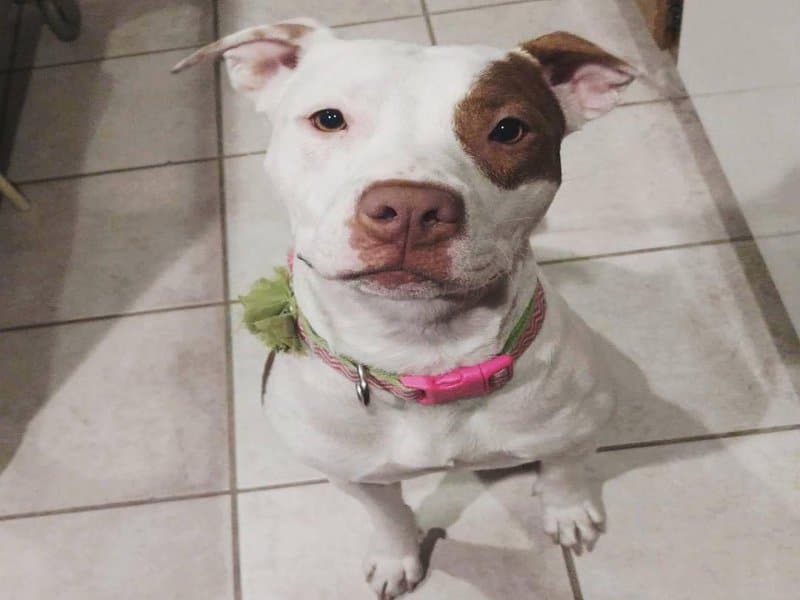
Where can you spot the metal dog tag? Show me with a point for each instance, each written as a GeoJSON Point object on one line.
{"type": "Point", "coordinates": [362, 387]}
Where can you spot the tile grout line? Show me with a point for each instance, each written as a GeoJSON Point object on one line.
{"type": "Point", "coordinates": [71, 176]}
{"type": "Point", "coordinates": [282, 486]}
{"type": "Point", "coordinates": [229, 384]}
{"type": "Point", "coordinates": [746, 90]}
{"type": "Point", "coordinates": [428, 24]}
{"type": "Point", "coordinates": [112, 505]}
{"type": "Point", "coordinates": [572, 574]}
{"type": "Point", "coordinates": [163, 165]}
{"type": "Point", "coordinates": [686, 245]}
{"type": "Point", "coordinates": [713, 242]}
{"type": "Point", "coordinates": [705, 437]}
{"type": "Point", "coordinates": [449, 11]}
{"type": "Point", "coordinates": [88, 61]}
{"type": "Point", "coordinates": [110, 316]}
{"type": "Point", "coordinates": [374, 21]}
{"type": "Point", "coordinates": [157, 500]}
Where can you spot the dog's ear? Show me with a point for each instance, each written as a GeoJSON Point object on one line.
{"type": "Point", "coordinates": [586, 79]}
{"type": "Point", "coordinates": [261, 58]}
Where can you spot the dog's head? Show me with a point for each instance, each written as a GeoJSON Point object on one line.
{"type": "Point", "coordinates": [413, 171]}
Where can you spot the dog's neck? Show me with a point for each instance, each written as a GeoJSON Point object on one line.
{"type": "Point", "coordinates": [414, 336]}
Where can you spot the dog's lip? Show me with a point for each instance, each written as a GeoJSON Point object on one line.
{"type": "Point", "coordinates": [303, 259]}
{"type": "Point", "coordinates": [367, 273]}
{"type": "Point", "coordinates": [384, 270]}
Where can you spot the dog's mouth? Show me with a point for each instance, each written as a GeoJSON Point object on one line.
{"type": "Point", "coordinates": [402, 281]}
{"type": "Point", "coordinates": [390, 276]}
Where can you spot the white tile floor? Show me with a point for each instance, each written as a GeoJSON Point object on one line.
{"type": "Point", "coordinates": [134, 459]}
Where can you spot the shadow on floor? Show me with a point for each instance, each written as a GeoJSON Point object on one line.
{"type": "Point", "coordinates": [36, 371]}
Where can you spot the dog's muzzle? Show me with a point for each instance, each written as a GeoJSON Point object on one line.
{"type": "Point", "coordinates": [402, 231]}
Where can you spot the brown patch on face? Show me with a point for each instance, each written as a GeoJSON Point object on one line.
{"type": "Point", "coordinates": [433, 261]}
{"type": "Point", "coordinates": [561, 54]}
{"type": "Point", "coordinates": [391, 265]}
{"type": "Point", "coordinates": [294, 30]}
{"type": "Point", "coordinates": [374, 254]}
{"type": "Point", "coordinates": [514, 87]}
{"type": "Point", "coordinates": [402, 231]}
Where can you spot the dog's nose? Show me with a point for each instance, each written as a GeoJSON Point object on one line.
{"type": "Point", "coordinates": [420, 213]}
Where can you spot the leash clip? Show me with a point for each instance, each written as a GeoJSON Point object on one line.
{"type": "Point", "coordinates": [362, 387]}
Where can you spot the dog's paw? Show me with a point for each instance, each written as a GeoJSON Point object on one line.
{"type": "Point", "coordinates": [575, 526]}
{"type": "Point", "coordinates": [392, 576]}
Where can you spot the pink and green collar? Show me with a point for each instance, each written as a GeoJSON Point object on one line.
{"type": "Point", "coordinates": [270, 312]}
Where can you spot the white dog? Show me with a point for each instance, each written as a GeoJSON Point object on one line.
{"type": "Point", "coordinates": [413, 178]}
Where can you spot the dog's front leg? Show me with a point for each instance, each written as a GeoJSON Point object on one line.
{"type": "Point", "coordinates": [572, 509]}
{"type": "Point", "coordinates": [392, 564]}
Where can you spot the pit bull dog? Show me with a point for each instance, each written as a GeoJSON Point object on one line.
{"type": "Point", "coordinates": [413, 177]}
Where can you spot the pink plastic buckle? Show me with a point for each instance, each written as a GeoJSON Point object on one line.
{"type": "Point", "coordinates": [462, 382]}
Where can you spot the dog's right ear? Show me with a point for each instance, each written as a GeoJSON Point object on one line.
{"type": "Point", "coordinates": [260, 59]}
{"type": "Point", "coordinates": [586, 80]}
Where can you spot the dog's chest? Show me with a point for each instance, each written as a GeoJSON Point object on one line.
{"type": "Point", "coordinates": [418, 441]}
{"type": "Point", "coordinates": [317, 413]}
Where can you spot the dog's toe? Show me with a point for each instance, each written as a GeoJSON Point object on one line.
{"type": "Point", "coordinates": [576, 527]}
{"type": "Point", "coordinates": [391, 577]}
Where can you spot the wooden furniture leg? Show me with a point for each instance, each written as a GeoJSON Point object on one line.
{"type": "Point", "coordinates": [8, 190]}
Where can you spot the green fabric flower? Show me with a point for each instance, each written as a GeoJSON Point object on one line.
{"type": "Point", "coordinates": [270, 312]}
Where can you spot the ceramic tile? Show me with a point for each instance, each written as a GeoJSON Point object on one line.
{"type": "Point", "coordinates": [639, 177]}
{"type": "Point", "coordinates": [495, 547]}
{"type": "Point", "coordinates": [441, 5]}
{"type": "Point", "coordinates": [115, 27]}
{"type": "Point", "coordinates": [113, 243]}
{"type": "Point", "coordinates": [728, 46]}
{"type": "Point", "coordinates": [411, 30]}
{"type": "Point", "coordinates": [244, 129]}
{"type": "Point", "coordinates": [168, 550]}
{"type": "Point", "coordinates": [248, 131]}
{"type": "Point", "coordinates": [113, 114]}
{"type": "Point", "coordinates": [758, 154]}
{"type": "Point", "coordinates": [782, 256]}
{"type": "Point", "coordinates": [718, 520]}
{"type": "Point", "coordinates": [616, 25]}
{"type": "Point", "coordinates": [695, 324]}
{"type": "Point", "coordinates": [113, 410]}
{"type": "Point", "coordinates": [258, 226]}
{"type": "Point", "coordinates": [238, 14]}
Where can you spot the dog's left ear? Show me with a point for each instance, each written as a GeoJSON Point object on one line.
{"type": "Point", "coordinates": [260, 59]}
{"type": "Point", "coordinates": [586, 79]}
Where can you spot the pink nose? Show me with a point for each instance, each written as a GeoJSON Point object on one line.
{"type": "Point", "coordinates": [406, 212]}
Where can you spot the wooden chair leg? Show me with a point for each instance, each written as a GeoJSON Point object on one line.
{"type": "Point", "coordinates": [8, 190]}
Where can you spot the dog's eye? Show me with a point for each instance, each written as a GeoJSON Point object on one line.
{"type": "Point", "coordinates": [328, 119]}
{"type": "Point", "coordinates": [508, 131]}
